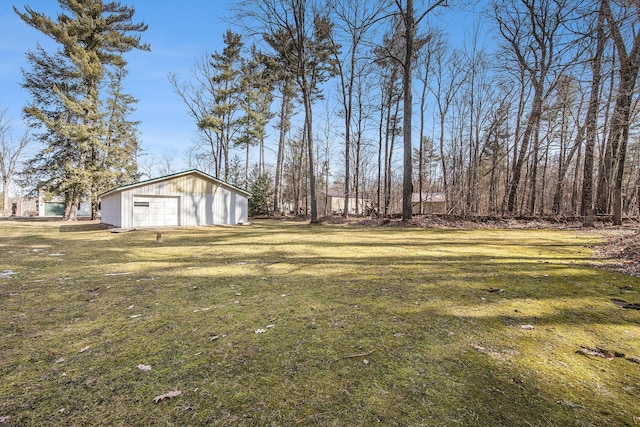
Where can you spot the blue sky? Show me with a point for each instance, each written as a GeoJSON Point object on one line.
{"type": "Point", "coordinates": [178, 35]}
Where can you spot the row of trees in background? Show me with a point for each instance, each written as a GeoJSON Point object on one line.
{"type": "Point", "coordinates": [370, 99]}
{"type": "Point", "coordinates": [541, 124]}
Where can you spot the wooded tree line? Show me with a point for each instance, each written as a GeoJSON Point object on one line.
{"type": "Point", "coordinates": [541, 122]}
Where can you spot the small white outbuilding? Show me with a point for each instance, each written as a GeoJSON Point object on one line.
{"type": "Point", "coordinates": [188, 198]}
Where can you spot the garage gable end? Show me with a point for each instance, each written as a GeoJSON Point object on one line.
{"type": "Point", "coordinates": [187, 199]}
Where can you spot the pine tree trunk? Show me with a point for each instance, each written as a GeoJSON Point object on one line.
{"type": "Point", "coordinates": [277, 199]}
{"type": "Point", "coordinates": [379, 177]}
{"type": "Point", "coordinates": [246, 166]}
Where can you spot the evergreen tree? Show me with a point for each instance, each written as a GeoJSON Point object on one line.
{"type": "Point", "coordinates": [300, 36]}
{"type": "Point", "coordinates": [235, 174]}
{"type": "Point", "coordinates": [261, 193]}
{"type": "Point", "coordinates": [116, 164]}
{"type": "Point", "coordinates": [256, 99]}
{"type": "Point", "coordinates": [52, 79]}
{"type": "Point", "coordinates": [92, 36]}
{"type": "Point", "coordinates": [224, 116]}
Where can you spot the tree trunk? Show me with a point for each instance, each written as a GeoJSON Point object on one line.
{"type": "Point", "coordinates": [443, 161]}
{"type": "Point", "coordinates": [562, 171]}
{"type": "Point", "coordinates": [261, 169]}
{"type": "Point", "coordinates": [277, 197]}
{"type": "Point", "coordinates": [421, 149]}
{"type": "Point", "coordinates": [356, 174]}
{"type": "Point", "coordinates": [407, 177]}
{"type": "Point", "coordinates": [586, 208]}
{"type": "Point", "coordinates": [575, 193]}
{"type": "Point", "coordinates": [534, 117]}
{"type": "Point", "coordinates": [6, 209]}
{"type": "Point", "coordinates": [391, 145]}
{"type": "Point", "coordinates": [246, 166]}
{"type": "Point", "coordinates": [311, 159]}
{"type": "Point", "coordinates": [619, 131]}
{"type": "Point", "coordinates": [379, 177]}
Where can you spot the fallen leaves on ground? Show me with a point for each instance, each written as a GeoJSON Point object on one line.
{"type": "Point", "coordinates": [623, 249]}
{"type": "Point", "coordinates": [623, 304]}
{"type": "Point", "coordinates": [622, 246]}
{"type": "Point", "coordinates": [598, 352]}
{"type": "Point", "coordinates": [167, 395]}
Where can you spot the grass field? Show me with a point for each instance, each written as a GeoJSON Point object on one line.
{"type": "Point", "coordinates": [285, 324]}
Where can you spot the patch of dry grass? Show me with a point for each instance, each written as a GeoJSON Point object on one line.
{"type": "Point", "coordinates": [356, 326]}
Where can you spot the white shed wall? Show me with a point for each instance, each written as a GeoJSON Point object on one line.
{"type": "Point", "coordinates": [207, 204]}
{"type": "Point", "coordinates": [229, 207]}
{"type": "Point", "coordinates": [110, 210]}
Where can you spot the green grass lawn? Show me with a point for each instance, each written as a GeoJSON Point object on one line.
{"type": "Point", "coordinates": [290, 324]}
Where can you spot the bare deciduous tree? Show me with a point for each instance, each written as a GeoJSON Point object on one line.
{"type": "Point", "coordinates": [11, 149]}
{"type": "Point", "coordinates": [612, 170]}
{"type": "Point", "coordinates": [411, 22]}
{"type": "Point", "coordinates": [531, 30]}
{"type": "Point", "coordinates": [354, 19]}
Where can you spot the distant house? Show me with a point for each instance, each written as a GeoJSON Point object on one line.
{"type": "Point", "coordinates": [188, 198]}
{"type": "Point", "coordinates": [55, 207]}
{"type": "Point", "coordinates": [432, 203]}
{"type": "Point", "coordinates": [22, 206]}
{"type": "Point", "coordinates": [332, 203]}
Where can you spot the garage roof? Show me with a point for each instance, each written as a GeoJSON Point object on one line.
{"type": "Point", "coordinates": [175, 175]}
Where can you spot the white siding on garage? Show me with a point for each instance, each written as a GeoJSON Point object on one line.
{"type": "Point", "coordinates": [155, 211]}
{"type": "Point", "coordinates": [111, 209]}
{"type": "Point", "coordinates": [229, 207]}
{"type": "Point", "coordinates": [187, 199]}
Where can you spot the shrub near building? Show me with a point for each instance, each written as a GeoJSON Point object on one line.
{"type": "Point", "coordinates": [261, 193]}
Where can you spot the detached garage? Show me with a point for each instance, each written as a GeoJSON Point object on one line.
{"type": "Point", "coordinates": [184, 199]}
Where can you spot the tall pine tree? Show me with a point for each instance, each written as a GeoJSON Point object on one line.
{"type": "Point", "coordinates": [256, 99]}
{"type": "Point", "coordinates": [225, 112]}
{"type": "Point", "coordinates": [93, 36]}
{"type": "Point", "coordinates": [117, 161]}
{"type": "Point", "coordinates": [51, 80]}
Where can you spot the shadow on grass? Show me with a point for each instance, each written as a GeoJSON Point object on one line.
{"type": "Point", "coordinates": [82, 226]}
{"type": "Point", "coordinates": [446, 351]}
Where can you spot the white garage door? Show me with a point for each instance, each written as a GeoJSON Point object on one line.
{"type": "Point", "coordinates": [155, 211]}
